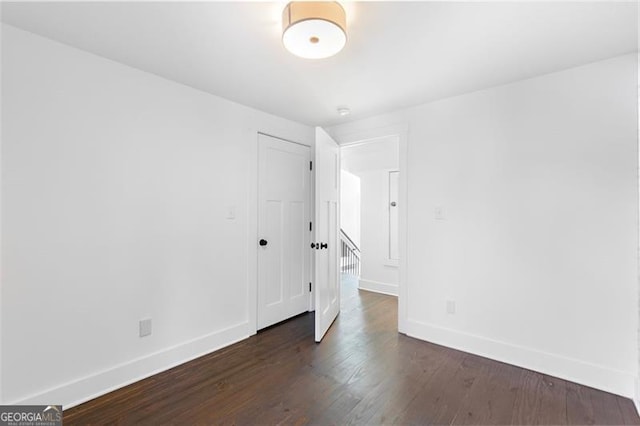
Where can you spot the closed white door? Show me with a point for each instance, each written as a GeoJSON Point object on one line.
{"type": "Point", "coordinates": [283, 230]}
{"type": "Point", "coordinates": [327, 209]}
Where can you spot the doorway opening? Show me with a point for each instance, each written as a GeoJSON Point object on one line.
{"type": "Point", "coordinates": [384, 243]}
{"type": "Point", "coordinates": [369, 199]}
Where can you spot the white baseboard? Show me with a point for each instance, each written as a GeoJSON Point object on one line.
{"type": "Point", "coordinates": [84, 389]}
{"type": "Point", "coordinates": [378, 287]}
{"type": "Point", "coordinates": [596, 376]}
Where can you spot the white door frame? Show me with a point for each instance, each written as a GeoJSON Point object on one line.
{"type": "Point", "coordinates": [401, 131]}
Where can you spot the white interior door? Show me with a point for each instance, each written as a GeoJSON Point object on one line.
{"type": "Point", "coordinates": [283, 230]}
{"type": "Point", "coordinates": [327, 227]}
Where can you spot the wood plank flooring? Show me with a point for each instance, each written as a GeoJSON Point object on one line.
{"type": "Point", "coordinates": [364, 372]}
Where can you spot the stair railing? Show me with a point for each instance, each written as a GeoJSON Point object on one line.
{"type": "Point", "coordinates": [349, 255]}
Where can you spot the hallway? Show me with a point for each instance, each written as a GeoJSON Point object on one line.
{"type": "Point", "coordinates": [364, 372]}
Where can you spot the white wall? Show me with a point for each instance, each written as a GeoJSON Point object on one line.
{"type": "Point", "coordinates": [538, 246]}
{"type": "Point", "coordinates": [350, 205]}
{"type": "Point", "coordinates": [377, 271]}
{"type": "Point", "coordinates": [116, 186]}
{"type": "Point", "coordinates": [375, 154]}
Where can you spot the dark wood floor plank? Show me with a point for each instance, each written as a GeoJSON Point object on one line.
{"type": "Point", "coordinates": [363, 373]}
{"type": "Point", "coordinates": [492, 396]}
{"type": "Point", "coordinates": [579, 407]}
{"type": "Point", "coordinates": [628, 411]}
{"type": "Point", "coordinates": [541, 400]}
{"type": "Point", "coordinates": [438, 400]}
{"type": "Point", "coordinates": [528, 400]}
{"type": "Point", "coordinates": [388, 400]}
{"type": "Point", "coordinates": [553, 401]}
{"type": "Point", "coordinates": [606, 410]}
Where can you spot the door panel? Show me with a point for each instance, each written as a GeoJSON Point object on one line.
{"type": "Point", "coordinates": [327, 278]}
{"type": "Point", "coordinates": [283, 222]}
{"type": "Point", "coordinates": [273, 255]}
{"type": "Point", "coordinates": [393, 215]}
{"type": "Point", "coordinates": [299, 223]}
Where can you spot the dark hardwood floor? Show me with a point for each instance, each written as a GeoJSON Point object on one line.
{"type": "Point", "coordinates": [364, 372]}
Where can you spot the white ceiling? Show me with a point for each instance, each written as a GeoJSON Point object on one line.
{"type": "Point", "coordinates": [398, 54]}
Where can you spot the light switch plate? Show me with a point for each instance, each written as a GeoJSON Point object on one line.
{"type": "Point", "coordinates": [451, 307]}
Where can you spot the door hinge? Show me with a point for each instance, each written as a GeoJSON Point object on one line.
{"type": "Point", "coordinates": [310, 227]}
{"type": "Point", "coordinates": [310, 165]}
{"type": "Point", "coordinates": [309, 287]}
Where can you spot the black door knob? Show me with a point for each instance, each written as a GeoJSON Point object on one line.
{"type": "Point", "coordinates": [263, 242]}
{"type": "Point", "coordinates": [323, 245]}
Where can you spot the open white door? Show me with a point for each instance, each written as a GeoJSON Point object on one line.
{"type": "Point", "coordinates": [327, 227]}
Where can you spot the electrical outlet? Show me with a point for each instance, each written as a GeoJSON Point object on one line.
{"type": "Point", "coordinates": [451, 307]}
{"type": "Point", "coordinates": [231, 212]}
{"type": "Point", "coordinates": [145, 327]}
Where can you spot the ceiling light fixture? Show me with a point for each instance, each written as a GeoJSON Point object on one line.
{"type": "Point", "coordinates": [314, 29]}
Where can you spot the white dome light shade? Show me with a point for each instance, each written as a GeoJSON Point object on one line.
{"type": "Point", "coordinates": [314, 30]}
{"type": "Point", "coordinates": [314, 39]}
